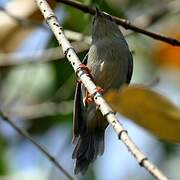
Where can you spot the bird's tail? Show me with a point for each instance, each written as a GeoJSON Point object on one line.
{"type": "Point", "coordinates": [87, 149]}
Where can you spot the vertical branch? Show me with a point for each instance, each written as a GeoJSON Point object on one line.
{"type": "Point", "coordinates": [106, 110]}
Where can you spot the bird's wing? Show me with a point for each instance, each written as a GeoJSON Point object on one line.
{"type": "Point", "coordinates": [130, 68]}
{"type": "Point", "coordinates": [78, 122]}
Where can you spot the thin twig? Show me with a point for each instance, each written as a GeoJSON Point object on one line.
{"type": "Point", "coordinates": [38, 56]}
{"type": "Point", "coordinates": [40, 110]}
{"type": "Point", "coordinates": [125, 23]}
{"type": "Point", "coordinates": [106, 110]}
{"type": "Point", "coordinates": [39, 146]}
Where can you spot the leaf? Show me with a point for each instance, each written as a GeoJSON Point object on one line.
{"type": "Point", "coordinates": [148, 109]}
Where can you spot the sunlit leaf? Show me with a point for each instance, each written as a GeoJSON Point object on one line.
{"type": "Point", "coordinates": [148, 109]}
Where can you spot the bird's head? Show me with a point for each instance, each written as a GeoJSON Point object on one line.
{"type": "Point", "coordinates": [104, 26]}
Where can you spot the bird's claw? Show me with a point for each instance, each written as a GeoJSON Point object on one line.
{"type": "Point", "coordinates": [88, 99]}
{"type": "Point", "coordinates": [100, 90]}
{"type": "Point", "coordinates": [86, 70]}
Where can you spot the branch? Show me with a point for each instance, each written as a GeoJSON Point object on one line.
{"type": "Point", "coordinates": [40, 110]}
{"type": "Point", "coordinates": [125, 23]}
{"type": "Point", "coordinates": [38, 56]}
{"type": "Point", "coordinates": [39, 146]}
{"type": "Point", "coordinates": [106, 110]}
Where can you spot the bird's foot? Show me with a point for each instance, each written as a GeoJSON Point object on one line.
{"type": "Point", "coordinates": [88, 99]}
{"type": "Point", "coordinates": [86, 70]}
{"type": "Point", "coordinates": [100, 90]}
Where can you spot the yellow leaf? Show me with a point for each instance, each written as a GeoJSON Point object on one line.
{"type": "Point", "coordinates": [148, 109]}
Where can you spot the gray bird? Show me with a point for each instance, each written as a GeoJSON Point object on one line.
{"type": "Point", "coordinates": [110, 62]}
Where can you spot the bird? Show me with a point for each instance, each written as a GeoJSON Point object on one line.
{"type": "Point", "coordinates": [111, 65]}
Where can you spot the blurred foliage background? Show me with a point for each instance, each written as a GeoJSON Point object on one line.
{"type": "Point", "coordinates": [37, 87]}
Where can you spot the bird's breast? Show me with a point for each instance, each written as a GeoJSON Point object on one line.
{"type": "Point", "coordinates": [108, 62]}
